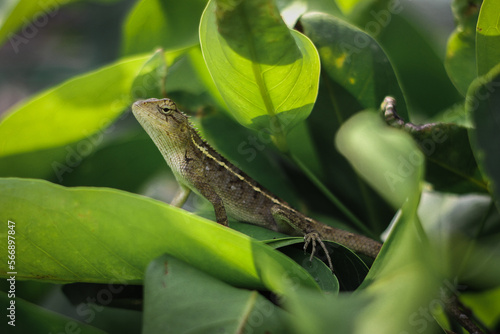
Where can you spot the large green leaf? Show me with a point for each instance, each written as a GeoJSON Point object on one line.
{"type": "Point", "coordinates": [181, 299]}
{"type": "Point", "coordinates": [71, 111]}
{"type": "Point", "coordinates": [483, 102]}
{"type": "Point", "coordinates": [488, 36]}
{"type": "Point", "coordinates": [168, 24]}
{"type": "Point", "coordinates": [364, 71]}
{"type": "Point", "coordinates": [54, 131]}
{"type": "Point", "coordinates": [267, 74]}
{"type": "Point", "coordinates": [105, 235]}
{"type": "Point", "coordinates": [460, 62]}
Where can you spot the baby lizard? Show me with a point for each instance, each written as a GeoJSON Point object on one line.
{"type": "Point", "coordinates": [198, 167]}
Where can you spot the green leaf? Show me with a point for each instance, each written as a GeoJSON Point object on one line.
{"type": "Point", "coordinates": [460, 62]}
{"type": "Point", "coordinates": [450, 163]}
{"type": "Point", "coordinates": [267, 74]}
{"type": "Point", "coordinates": [318, 269]}
{"type": "Point", "coordinates": [464, 231]}
{"type": "Point", "coordinates": [55, 130]}
{"type": "Point", "coordinates": [41, 320]}
{"type": "Point", "coordinates": [488, 37]}
{"type": "Point", "coordinates": [69, 120]}
{"type": "Point", "coordinates": [133, 154]}
{"type": "Point", "coordinates": [364, 72]}
{"type": "Point", "coordinates": [106, 235]}
{"type": "Point", "coordinates": [150, 81]}
{"type": "Point", "coordinates": [486, 305]}
{"type": "Point", "coordinates": [168, 24]}
{"type": "Point", "coordinates": [364, 139]}
{"type": "Point", "coordinates": [415, 61]}
{"type": "Point", "coordinates": [31, 15]}
{"type": "Point", "coordinates": [390, 161]}
{"type": "Point", "coordinates": [181, 299]}
{"type": "Point", "coordinates": [71, 111]}
{"type": "Point", "coordinates": [483, 101]}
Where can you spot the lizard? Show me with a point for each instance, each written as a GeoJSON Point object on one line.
{"type": "Point", "coordinates": [199, 168]}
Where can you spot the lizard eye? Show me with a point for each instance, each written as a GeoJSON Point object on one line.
{"type": "Point", "coordinates": [167, 108]}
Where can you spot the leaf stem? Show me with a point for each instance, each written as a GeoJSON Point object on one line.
{"type": "Point", "coordinates": [355, 220]}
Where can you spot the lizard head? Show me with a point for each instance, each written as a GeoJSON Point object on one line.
{"type": "Point", "coordinates": [162, 119]}
{"type": "Point", "coordinates": [161, 114]}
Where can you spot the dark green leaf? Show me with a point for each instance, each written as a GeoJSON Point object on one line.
{"type": "Point", "coordinates": [363, 70]}
{"type": "Point", "coordinates": [349, 269]}
{"type": "Point", "coordinates": [168, 24]}
{"type": "Point", "coordinates": [181, 299]}
{"type": "Point", "coordinates": [125, 163]}
{"type": "Point", "coordinates": [31, 318]}
{"type": "Point", "coordinates": [483, 102]}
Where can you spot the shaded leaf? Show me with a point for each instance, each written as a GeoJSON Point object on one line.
{"type": "Point", "coordinates": [122, 163]}
{"type": "Point", "coordinates": [168, 24]}
{"type": "Point", "coordinates": [486, 305]}
{"type": "Point", "coordinates": [41, 319]}
{"type": "Point", "coordinates": [464, 231]}
{"type": "Point", "coordinates": [483, 102]}
{"type": "Point", "coordinates": [449, 159]}
{"type": "Point", "coordinates": [362, 70]}
{"type": "Point", "coordinates": [450, 163]}
{"type": "Point", "coordinates": [415, 61]}
{"type": "Point", "coordinates": [181, 299]}
{"type": "Point", "coordinates": [460, 62]}
{"type": "Point", "coordinates": [349, 269]}
{"type": "Point", "coordinates": [318, 269]}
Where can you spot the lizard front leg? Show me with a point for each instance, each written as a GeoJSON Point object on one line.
{"type": "Point", "coordinates": [287, 219]}
{"type": "Point", "coordinates": [181, 196]}
{"type": "Point", "coordinates": [209, 193]}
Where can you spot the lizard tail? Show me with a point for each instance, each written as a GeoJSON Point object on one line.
{"type": "Point", "coordinates": [356, 242]}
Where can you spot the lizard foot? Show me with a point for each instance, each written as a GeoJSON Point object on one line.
{"type": "Point", "coordinates": [313, 238]}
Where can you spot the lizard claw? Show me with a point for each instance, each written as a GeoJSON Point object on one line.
{"type": "Point", "coordinates": [312, 238]}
